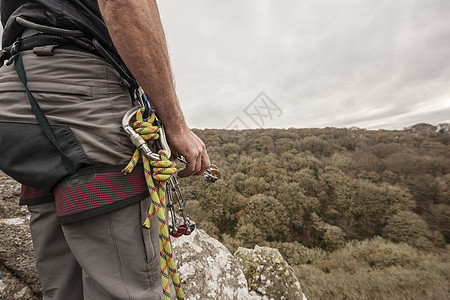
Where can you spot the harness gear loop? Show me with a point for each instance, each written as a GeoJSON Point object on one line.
{"type": "Point", "coordinates": [157, 173]}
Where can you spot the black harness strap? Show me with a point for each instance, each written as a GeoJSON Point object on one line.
{"type": "Point", "coordinates": [42, 119]}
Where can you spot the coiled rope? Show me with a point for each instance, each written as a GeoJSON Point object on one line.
{"type": "Point", "coordinates": [156, 175]}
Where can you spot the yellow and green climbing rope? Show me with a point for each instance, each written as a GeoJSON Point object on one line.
{"type": "Point", "coordinates": [156, 175]}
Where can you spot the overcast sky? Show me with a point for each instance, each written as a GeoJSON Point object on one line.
{"type": "Point", "coordinates": [370, 64]}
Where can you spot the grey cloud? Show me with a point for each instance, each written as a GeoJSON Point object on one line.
{"type": "Point", "coordinates": [326, 63]}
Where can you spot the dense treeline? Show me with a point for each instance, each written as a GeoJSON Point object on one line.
{"type": "Point", "coordinates": [329, 197]}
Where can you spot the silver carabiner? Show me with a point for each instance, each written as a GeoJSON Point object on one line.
{"type": "Point", "coordinates": [212, 174]}
{"type": "Point", "coordinates": [135, 138]}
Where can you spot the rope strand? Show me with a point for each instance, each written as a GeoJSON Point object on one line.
{"type": "Point", "coordinates": [156, 175]}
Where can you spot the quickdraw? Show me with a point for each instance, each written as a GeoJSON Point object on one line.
{"type": "Point", "coordinates": [149, 138]}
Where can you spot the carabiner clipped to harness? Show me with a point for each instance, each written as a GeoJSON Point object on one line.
{"type": "Point", "coordinates": [136, 138]}
{"type": "Point", "coordinates": [158, 173]}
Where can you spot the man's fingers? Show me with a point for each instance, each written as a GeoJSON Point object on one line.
{"type": "Point", "coordinates": [204, 163]}
{"type": "Point", "coordinates": [189, 169]}
{"type": "Point", "coordinates": [196, 166]}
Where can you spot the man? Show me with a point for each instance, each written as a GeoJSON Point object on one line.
{"type": "Point", "coordinates": [95, 248]}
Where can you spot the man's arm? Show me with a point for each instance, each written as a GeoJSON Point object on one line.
{"type": "Point", "coordinates": [136, 30]}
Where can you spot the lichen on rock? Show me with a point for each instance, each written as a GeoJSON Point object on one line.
{"type": "Point", "coordinates": [207, 269]}
{"type": "Point", "coordinates": [268, 274]}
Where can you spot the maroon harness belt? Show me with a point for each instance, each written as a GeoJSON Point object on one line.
{"type": "Point", "coordinates": [97, 190]}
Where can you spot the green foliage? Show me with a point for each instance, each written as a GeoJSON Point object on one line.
{"type": "Point", "coordinates": [324, 196]}
{"type": "Point", "coordinates": [376, 269]}
{"type": "Point", "coordinates": [365, 160]}
{"type": "Point", "coordinates": [405, 162]}
{"type": "Point", "coordinates": [329, 237]}
{"type": "Point", "coordinates": [248, 235]}
{"type": "Point", "coordinates": [439, 219]}
{"type": "Point", "coordinates": [268, 215]}
{"type": "Point", "coordinates": [375, 203]}
{"type": "Point", "coordinates": [383, 150]}
{"type": "Point", "coordinates": [317, 146]}
{"type": "Point", "coordinates": [407, 227]}
{"type": "Point", "coordinates": [377, 253]}
{"type": "Point", "coordinates": [229, 148]}
{"type": "Point", "coordinates": [297, 254]}
{"type": "Point", "coordinates": [355, 180]}
{"type": "Point", "coordinates": [220, 206]}
{"type": "Point", "coordinates": [340, 161]}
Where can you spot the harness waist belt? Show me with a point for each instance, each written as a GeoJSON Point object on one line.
{"type": "Point", "coordinates": [96, 190]}
{"type": "Point", "coordinates": [40, 40]}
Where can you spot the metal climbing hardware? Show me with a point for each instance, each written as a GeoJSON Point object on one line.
{"type": "Point", "coordinates": [157, 172]}
{"type": "Point", "coordinates": [147, 134]}
{"type": "Point", "coordinates": [13, 51]}
{"type": "Point", "coordinates": [212, 174]}
{"type": "Point", "coordinates": [136, 138]}
{"type": "Point", "coordinates": [178, 227]}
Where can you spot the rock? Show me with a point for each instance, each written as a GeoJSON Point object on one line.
{"type": "Point", "coordinates": [208, 270]}
{"type": "Point", "coordinates": [268, 274]}
{"type": "Point", "coordinates": [17, 264]}
{"type": "Point", "coordinates": [12, 288]}
{"type": "Point", "coordinates": [422, 127]}
{"type": "Point", "coordinates": [443, 127]}
{"type": "Point", "coordinates": [9, 198]}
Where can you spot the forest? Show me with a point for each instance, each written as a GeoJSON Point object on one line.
{"type": "Point", "coordinates": [358, 214]}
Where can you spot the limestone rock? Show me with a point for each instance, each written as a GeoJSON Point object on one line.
{"type": "Point", "coordinates": [208, 270]}
{"type": "Point", "coordinates": [12, 288]}
{"type": "Point", "coordinates": [18, 278]}
{"type": "Point", "coordinates": [268, 274]}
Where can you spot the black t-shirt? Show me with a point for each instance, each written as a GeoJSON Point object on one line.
{"type": "Point", "coordinates": [83, 15]}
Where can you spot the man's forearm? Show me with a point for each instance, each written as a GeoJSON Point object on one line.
{"type": "Point", "coordinates": [136, 30]}
{"type": "Point", "coordinates": [137, 33]}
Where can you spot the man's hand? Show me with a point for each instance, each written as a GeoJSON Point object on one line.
{"type": "Point", "coordinates": [194, 151]}
{"type": "Point", "coordinates": [136, 30]}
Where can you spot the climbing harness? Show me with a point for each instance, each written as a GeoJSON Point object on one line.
{"type": "Point", "coordinates": [49, 29]}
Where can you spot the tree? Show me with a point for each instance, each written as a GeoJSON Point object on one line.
{"type": "Point", "coordinates": [268, 215]}
{"type": "Point", "coordinates": [407, 227]}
